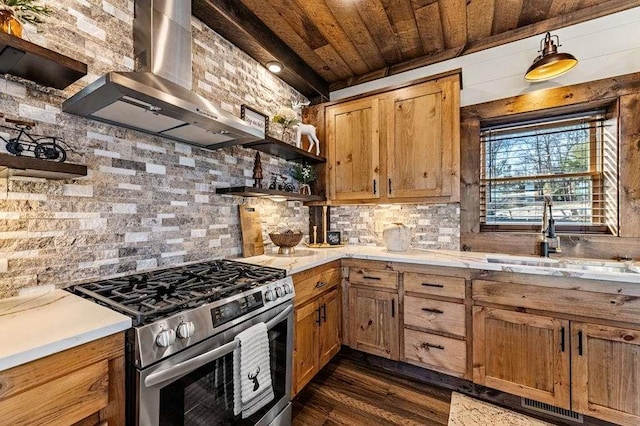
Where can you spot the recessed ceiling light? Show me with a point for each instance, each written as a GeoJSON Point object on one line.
{"type": "Point", "coordinates": [274, 66]}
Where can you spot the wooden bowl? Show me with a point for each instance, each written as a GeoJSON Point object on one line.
{"type": "Point", "coordinates": [286, 242]}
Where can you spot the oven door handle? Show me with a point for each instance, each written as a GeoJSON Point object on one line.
{"type": "Point", "coordinates": [186, 367]}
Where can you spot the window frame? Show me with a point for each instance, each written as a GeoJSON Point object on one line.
{"type": "Point", "coordinates": [597, 116]}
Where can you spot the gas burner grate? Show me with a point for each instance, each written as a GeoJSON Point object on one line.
{"type": "Point", "coordinates": [154, 295]}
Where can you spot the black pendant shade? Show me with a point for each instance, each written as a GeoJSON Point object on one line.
{"type": "Point", "coordinates": [550, 63]}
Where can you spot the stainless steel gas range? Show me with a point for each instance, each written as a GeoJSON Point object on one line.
{"type": "Point", "coordinates": [180, 349]}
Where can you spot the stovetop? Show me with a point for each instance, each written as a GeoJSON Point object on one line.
{"type": "Point", "coordinates": [152, 296]}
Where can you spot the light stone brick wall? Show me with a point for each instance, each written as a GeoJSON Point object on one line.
{"type": "Point", "coordinates": [147, 202]}
{"type": "Point", "coordinates": [432, 226]}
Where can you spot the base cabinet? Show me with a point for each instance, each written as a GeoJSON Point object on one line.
{"type": "Point", "coordinates": [523, 354]}
{"type": "Point", "coordinates": [80, 386]}
{"type": "Point", "coordinates": [605, 372]}
{"type": "Point", "coordinates": [373, 322]}
{"type": "Point", "coordinates": [586, 367]}
{"type": "Point", "coordinates": [317, 323]}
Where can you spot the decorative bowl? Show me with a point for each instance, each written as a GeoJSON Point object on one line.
{"type": "Point", "coordinates": [286, 241]}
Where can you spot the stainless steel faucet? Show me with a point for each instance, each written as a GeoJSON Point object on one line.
{"type": "Point", "coordinates": [550, 240]}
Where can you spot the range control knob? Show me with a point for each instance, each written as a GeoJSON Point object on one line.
{"type": "Point", "coordinates": [279, 291]}
{"type": "Point", "coordinates": [270, 295]}
{"type": "Point", "coordinates": [185, 329]}
{"type": "Point", "coordinates": [287, 288]}
{"type": "Point", "coordinates": [165, 338]}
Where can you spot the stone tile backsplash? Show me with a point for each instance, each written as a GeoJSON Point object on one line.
{"type": "Point", "coordinates": [150, 202]}
{"type": "Point", "coordinates": [432, 226]}
{"type": "Point", "coordinates": [147, 202]}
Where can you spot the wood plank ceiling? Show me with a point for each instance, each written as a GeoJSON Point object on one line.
{"type": "Point", "coordinates": [331, 44]}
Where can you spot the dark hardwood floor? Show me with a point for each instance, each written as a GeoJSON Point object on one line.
{"type": "Point", "coordinates": [346, 392]}
{"type": "Point", "coordinates": [360, 389]}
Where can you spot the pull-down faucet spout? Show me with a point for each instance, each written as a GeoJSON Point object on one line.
{"type": "Point", "coordinates": [550, 240]}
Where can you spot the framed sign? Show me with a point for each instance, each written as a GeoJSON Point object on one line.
{"type": "Point", "coordinates": [255, 118]}
{"type": "Point", "coordinates": [333, 237]}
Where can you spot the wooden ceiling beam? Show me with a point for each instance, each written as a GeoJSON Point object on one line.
{"type": "Point", "coordinates": [581, 15]}
{"type": "Point", "coordinates": [237, 24]}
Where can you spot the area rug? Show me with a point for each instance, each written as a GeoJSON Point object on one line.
{"type": "Point", "coordinates": [467, 411]}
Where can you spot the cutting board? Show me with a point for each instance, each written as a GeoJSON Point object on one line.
{"type": "Point", "coordinates": [251, 229]}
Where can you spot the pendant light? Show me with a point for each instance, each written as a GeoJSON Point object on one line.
{"type": "Point", "coordinates": [550, 63]}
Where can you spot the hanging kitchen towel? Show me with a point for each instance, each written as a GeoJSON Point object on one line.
{"type": "Point", "coordinates": [252, 387]}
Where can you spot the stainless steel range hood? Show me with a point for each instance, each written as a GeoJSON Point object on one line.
{"type": "Point", "coordinates": [157, 97]}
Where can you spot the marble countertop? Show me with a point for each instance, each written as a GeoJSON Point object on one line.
{"type": "Point", "coordinates": [42, 323]}
{"type": "Point", "coordinates": [589, 269]}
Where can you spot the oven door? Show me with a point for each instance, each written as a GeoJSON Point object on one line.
{"type": "Point", "coordinates": [195, 386]}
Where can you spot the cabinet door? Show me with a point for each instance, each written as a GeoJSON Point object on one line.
{"type": "Point", "coordinates": [423, 141]}
{"type": "Point", "coordinates": [305, 352]}
{"type": "Point", "coordinates": [606, 372]}
{"type": "Point", "coordinates": [354, 153]}
{"type": "Point", "coordinates": [330, 313]}
{"type": "Point", "coordinates": [522, 354]}
{"type": "Point", "coordinates": [373, 322]}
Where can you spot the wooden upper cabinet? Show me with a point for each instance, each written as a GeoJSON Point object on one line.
{"type": "Point", "coordinates": [522, 354]}
{"type": "Point", "coordinates": [397, 146]}
{"type": "Point", "coordinates": [422, 141]}
{"type": "Point", "coordinates": [605, 372]}
{"type": "Point", "coordinates": [354, 142]}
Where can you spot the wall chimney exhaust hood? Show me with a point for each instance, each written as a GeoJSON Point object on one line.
{"type": "Point", "coordinates": [157, 97]}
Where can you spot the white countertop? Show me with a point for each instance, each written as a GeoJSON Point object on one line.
{"type": "Point", "coordinates": [36, 325]}
{"type": "Point", "coordinates": [600, 270]}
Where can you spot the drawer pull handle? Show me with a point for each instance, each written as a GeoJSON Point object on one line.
{"type": "Point", "coordinates": [433, 285]}
{"type": "Point", "coordinates": [429, 345]}
{"type": "Point", "coordinates": [393, 308]}
{"type": "Point", "coordinates": [367, 277]}
{"type": "Point", "coordinates": [562, 339]}
{"type": "Point", "coordinates": [321, 284]}
{"type": "Point", "coordinates": [435, 311]}
{"type": "Point", "coordinates": [580, 343]}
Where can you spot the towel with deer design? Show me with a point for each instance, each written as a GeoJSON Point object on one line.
{"type": "Point", "coordinates": [252, 387]}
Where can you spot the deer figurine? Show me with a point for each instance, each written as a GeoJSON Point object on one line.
{"type": "Point", "coordinates": [305, 129]}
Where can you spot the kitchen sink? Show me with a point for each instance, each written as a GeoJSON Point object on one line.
{"type": "Point", "coordinates": [573, 264]}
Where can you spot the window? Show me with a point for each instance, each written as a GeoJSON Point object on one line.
{"type": "Point", "coordinates": [571, 158]}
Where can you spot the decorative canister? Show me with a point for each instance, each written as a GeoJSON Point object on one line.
{"type": "Point", "coordinates": [396, 237]}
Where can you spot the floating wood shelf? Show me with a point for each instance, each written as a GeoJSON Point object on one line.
{"type": "Point", "coordinates": [284, 150]}
{"type": "Point", "coordinates": [248, 191]}
{"type": "Point", "coordinates": [32, 62]}
{"type": "Point", "coordinates": [34, 167]}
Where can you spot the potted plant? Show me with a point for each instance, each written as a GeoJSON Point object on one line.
{"type": "Point", "coordinates": [13, 13]}
{"type": "Point", "coordinates": [303, 173]}
{"type": "Point", "coordinates": [287, 118]}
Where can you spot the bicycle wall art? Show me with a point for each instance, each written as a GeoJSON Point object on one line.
{"type": "Point", "coordinates": [22, 142]}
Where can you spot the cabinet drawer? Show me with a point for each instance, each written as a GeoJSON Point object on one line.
{"type": "Point", "coordinates": [436, 352]}
{"type": "Point", "coordinates": [373, 277]}
{"type": "Point", "coordinates": [438, 285]}
{"type": "Point", "coordinates": [435, 315]}
{"type": "Point", "coordinates": [307, 287]}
